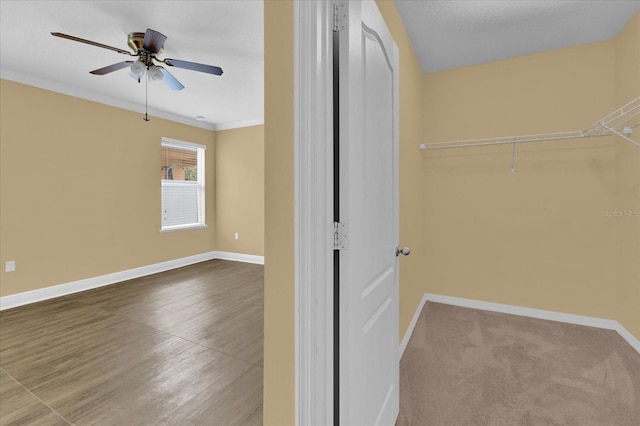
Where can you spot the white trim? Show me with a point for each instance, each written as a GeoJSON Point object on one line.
{"type": "Point", "coordinates": [118, 103]}
{"type": "Point", "coordinates": [239, 257]}
{"type": "Point", "coordinates": [238, 124]}
{"type": "Point", "coordinates": [525, 312]}
{"type": "Point", "coordinates": [313, 211]}
{"type": "Point", "coordinates": [177, 143]}
{"type": "Point", "coordinates": [626, 335]}
{"type": "Point", "coordinates": [27, 297]}
{"type": "Point", "coordinates": [185, 227]}
{"type": "Point", "coordinates": [105, 100]}
{"type": "Point", "coordinates": [412, 325]}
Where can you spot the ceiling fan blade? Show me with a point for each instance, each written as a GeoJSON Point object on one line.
{"type": "Point", "coordinates": [153, 41]}
{"type": "Point", "coordinates": [210, 69]}
{"type": "Point", "coordinates": [111, 68]}
{"type": "Point", "coordinates": [92, 43]}
{"type": "Point", "coordinates": [171, 81]}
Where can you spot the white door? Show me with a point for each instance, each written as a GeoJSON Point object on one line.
{"type": "Point", "coordinates": [368, 206]}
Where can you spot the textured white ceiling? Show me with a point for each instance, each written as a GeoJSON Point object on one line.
{"type": "Point", "coordinates": [228, 34]}
{"type": "Point", "coordinates": [451, 34]}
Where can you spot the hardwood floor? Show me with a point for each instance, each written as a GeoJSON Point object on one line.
{"type": "Point", "coordinates": [183, 347]}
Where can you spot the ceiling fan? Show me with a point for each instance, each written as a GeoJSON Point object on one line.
{"type": "Point", "coordinates": [146, 46]}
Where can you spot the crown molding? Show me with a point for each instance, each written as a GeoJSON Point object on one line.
{"type": "Point", "coordinates": [237, 125]}
{"type": "Point", "coordinates": [66, 89]}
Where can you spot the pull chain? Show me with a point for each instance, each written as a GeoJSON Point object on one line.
{"type": "Point", "coordinates": [146, 98]}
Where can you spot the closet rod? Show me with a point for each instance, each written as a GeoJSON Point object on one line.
{"type": "Point", "coordinates": [621, 123]}
{"type": "Point", "coordinates": [505, 140]}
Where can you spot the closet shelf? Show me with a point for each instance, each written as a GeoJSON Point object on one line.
{"type": "Point", "coordinates": [620, 123]}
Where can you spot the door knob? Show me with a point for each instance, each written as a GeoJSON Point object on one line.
{"type": "Point", "coordinates": [404, 250]}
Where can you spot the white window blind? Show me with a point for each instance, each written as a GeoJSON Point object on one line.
{"type": "Point", "coordinates": [182, 185]}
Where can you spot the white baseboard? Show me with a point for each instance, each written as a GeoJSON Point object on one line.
{"type": "Point", "coordinates": [412, 325]}
{"type": "Point", "coordinates": [522, 311]}
{"type": "Point", "coordinates": [239, 257]}
{"type": "Point", "coordinates": [630, 338]}
{"type": "Point", "coordinates": [27, 297]}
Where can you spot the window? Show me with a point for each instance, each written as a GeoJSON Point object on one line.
{"type": "Point", "coordinates": [182, 184]}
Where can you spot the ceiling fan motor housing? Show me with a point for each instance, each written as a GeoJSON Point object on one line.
{"type": "Point", "coordinates": [136, 41]}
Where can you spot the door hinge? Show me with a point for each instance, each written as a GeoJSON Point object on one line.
{"type": "Point", "coordinates": [339, 16]}
{"type": "Point", "coordinates": [339, 236]}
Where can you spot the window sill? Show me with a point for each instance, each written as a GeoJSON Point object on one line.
{"type": "Point", "coordinates": [182, 227]}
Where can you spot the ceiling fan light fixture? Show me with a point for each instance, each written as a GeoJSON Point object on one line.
{"type": "Point", "coordinates": [137, 69]}
{"type": "Point", "coordinates": [154, 73]}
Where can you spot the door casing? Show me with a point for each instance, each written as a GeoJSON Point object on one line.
{"type": "Point", "coordinates": [313, 211]}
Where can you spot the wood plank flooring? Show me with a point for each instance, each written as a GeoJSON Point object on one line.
{"type": "Point", "coordinates": [183, 347]}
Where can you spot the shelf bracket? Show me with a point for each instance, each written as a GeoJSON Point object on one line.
{"type": "Point", "coordinates": [620, 134]}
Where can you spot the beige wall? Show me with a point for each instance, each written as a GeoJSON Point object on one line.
{"type": "Point", "coordinates": [279, 319]}
{"type": "Point", "coordinates": [239, 171]}
{"type": "Point", "coordinates": [627, 49]}
{"type": "Point", "coordinates": [412, 272]}
{"type": "Point", "coordinates": [536, 237]}
{"type": "Point", "coordinates": [80, 194]}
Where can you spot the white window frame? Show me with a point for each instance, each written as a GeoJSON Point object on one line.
{"type": "Point", "coordinates": [200, 158]}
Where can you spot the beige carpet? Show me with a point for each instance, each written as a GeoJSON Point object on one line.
{"type": "Point", "coordinates": [472, 367]}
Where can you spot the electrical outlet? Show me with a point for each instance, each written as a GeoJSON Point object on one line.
{"type": "Point", "coordinates": [10, 266]}
{"type": "Point", "coordinates": [237, 236]}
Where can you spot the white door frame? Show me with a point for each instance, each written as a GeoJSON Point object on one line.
{"type": "Point", "coordinates": [313, 211]}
